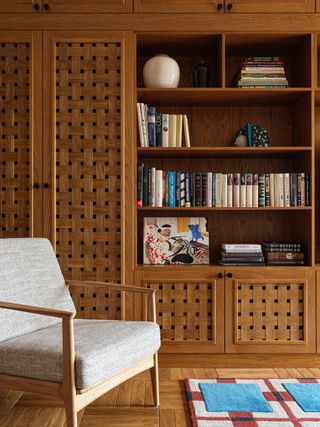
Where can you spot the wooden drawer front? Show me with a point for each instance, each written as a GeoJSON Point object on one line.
{"type": "Point", "coordinates": [190, 314]}
{"type": "Point", "coordinates": [177, 6]}
{"type": "Point", "coordinates": [272, 314]}
{"type": "Point", "coordinates": [272, 6]}
{"type": "Point", "coordinates": [92, 6]}
{"type": "Point", "coordinates": [269, 312]}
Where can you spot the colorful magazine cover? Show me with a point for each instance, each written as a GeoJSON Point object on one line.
{"type": "Point", "coordinates": [175, 241]}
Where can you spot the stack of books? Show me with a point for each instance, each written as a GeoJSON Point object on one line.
{"type": "Point", "coordinates": [283, 253]}
{"type": "Point", "coordinates": [263, 72]}
{"type": "Point", "coordinates": [161, 130]}
{"type": "Point", "coordinates": [159, 188]}
{"type": "Point", "coordinates": [233, 254]}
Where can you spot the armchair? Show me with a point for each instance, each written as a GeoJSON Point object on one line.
{"type": "Point", "coordinates": [44, 349]}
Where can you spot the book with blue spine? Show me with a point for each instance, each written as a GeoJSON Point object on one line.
{"type": "Point", "coordinates": [151, 117]}
{"type": "Point", "coordinates": [172, 189]}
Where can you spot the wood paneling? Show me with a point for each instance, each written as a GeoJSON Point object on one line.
{"type": "Point", "coordinates": [179, 6]}
{"type": "Point", "coordinates": [92, 6]}
{"type": "Point", "coordinates": [270, 310]}
{"type": "Point", "coordinates": [20, 135]}
{"type": "Point", "coordinates": [270, 6]}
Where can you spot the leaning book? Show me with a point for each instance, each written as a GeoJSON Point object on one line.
{"type": "Point", "coordinates": [175, 241]}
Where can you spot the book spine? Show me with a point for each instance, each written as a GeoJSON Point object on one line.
{"type": "Point", "coordinates": [249, 193]}
{"type": "Point", "coordinates": [272, 192]}
{"type": "Point", "coordinates": [214, 190]}
{"type": "Point", "coordinates": [287, 190]}
{"type": "Point", "coordinates": [149, 187]}
{"type": "Point", "coordinates": [303, 189]}
{"type": "Point", "coordinates": [178, 189]}
{"type": "Point", "coordinates": [186, 130]}
{"type": "Point", "coordinates": [224, 190]}
{"type": "Point", "coordinates": [145, 188]}
{"type": "Point", "coordinates": [140, 185]}
{"type": "Point", "coordinates": [299, 189]}
{"type": "Point", "coordinates": [182, 190]}
{"type": "Point", "coordinates": [255, 190]}
{"type": "Point", "coordinates": [267, 189]}
{"type": "Point", "coordinates": [243, 192]}
{"type": "Point", "coordinates": [188, 189]}
{"type": "Point", "coordinates": [308, 189]}
{"type": "Point", "coordinates": [218, 190]}
{"type": "Point", "coordinates": [172, 189]}
{"type": "Point", "coordinates": [293, 190]}
{"type": "Point", "coordinates": [193, 189]}
{"type": "Point", "coordinates": [141, 137]}
{"type": "Point", "coordinates": [165, 130]}
{"type": "Point", "coordinates": [204, 188]}
{"type": "Point", "coordinates": [172, 130]}
{"type": "Point", "coordinates": [281, 189]}
{"type": "Point", "coordinates": [236, 190]}
{"type": "Point", "coordinates": [167, 188]}
{"type": "Point", "coordinates": [164, 188]}
{"type": "Point", "coordinates": [209, 198]}
{"type": "Point", "coordinates": [153, 187]}
{"type": "Point", "coordinates": [158, 129]}
{"type": "Point", "coordinates": [158, 196]}
{"type": "Point", "coordinates": [151, 116]}
{"type": "Point", "coordinates": [198, 189]}
{"type": "Point", "coordinates": [230, 190]}
{"type": "Point", "coordinates": [240, 246]}
{"type": "Point", "coordinates": [144, 124]}
{"type": "Point", "coordinates": [179, 130]}
{"type": "Point", "coordinates": [262, 190]}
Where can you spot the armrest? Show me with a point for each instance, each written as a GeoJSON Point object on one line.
{"type": "Point", "coordinates": [107, 285]}
{"type": "Point", "coordinates": [37, 310]}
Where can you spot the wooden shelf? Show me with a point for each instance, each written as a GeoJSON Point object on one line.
{"type": "Point", "coordinates": [222, 152]}
{"type": "Point", "coordinates": [220, 96]}
{"type": "Point", "coordinates": [207, 268]}
{"type": "Point", "coordinates": [203, 209]}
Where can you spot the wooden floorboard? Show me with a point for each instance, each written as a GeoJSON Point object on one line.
{"type": "Point", "coordinates": [129, 404]}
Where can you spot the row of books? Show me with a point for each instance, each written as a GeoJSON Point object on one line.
{"type": "Point", "coordinates": [271, 253]}
{"type": "Point", "coordinates": [161, 130]}
{"type": "Point", "coordinates": [158, 188]}
{"type": "Point", "coordinates": [263, 72]}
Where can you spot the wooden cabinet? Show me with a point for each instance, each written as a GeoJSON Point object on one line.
{"type": "Point", "coordinates": [179, 6]}
{"type": "Point", "coordinates": [190, 307]}
{"type": "Point", "coordinates": [92, 6]}
{"type": "Point", "coordinates": [271, 6]}
{"type": "Point", "coordinates": [20, 6]}
{"type": "Point", "coordinates": [20, 134]}
{"type": "Point", "coordinates": [270, 310]}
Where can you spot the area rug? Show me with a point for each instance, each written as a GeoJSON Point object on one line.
{"type": "Point", "coordinates": [254, 402]}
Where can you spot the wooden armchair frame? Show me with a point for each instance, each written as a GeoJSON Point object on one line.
{"type": "Point", "coordinates": [76, 399]}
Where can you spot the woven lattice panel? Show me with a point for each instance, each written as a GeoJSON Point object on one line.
{"type": "Point", "coordinates": [96, 303]}
{"type": "Point", "coordinates": [185, 310]}
{"type": "Point", "coordinates": [270, 311]}
{"type": "Point", "coordinates": [88, 140]}
{"type": "Point", "coordinates": [14, 139]}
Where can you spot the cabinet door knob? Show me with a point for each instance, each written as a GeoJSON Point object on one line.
{"type": "Point", "coordinates": [230, 6]}
{"type": "Point", "coordinates": [220, 275]}
{"type": "Point", "coordinates": [46, 6]}
{"type": "Point", "coordinates": [45, 185]}
{"type": "Point", "coordinates": [219, 6]}
{"type": "Point", "coordinates": [36, 185]}
{"type": "Point", "coordinates": [36, 6]}
{"type": "Point", "coordinates": [230, 275]}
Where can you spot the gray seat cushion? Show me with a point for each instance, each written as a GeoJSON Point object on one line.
{"type": "Point", "coordinates": [30, 274]}
{"type": "Point", "coordinates": [102, 348]}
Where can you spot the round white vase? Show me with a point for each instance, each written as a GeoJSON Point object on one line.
{"type": "Point", "coordinates": [161, 71]}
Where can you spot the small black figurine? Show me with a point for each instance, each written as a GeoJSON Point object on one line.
{"type": "Point", "coordinates": [201, 75]}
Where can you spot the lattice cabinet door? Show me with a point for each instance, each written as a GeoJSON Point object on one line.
{"type": "Point", "coordinates": [20, 134]}
{"type": "Point", "coordinates": [92, 6]}
{"type": "Point", "coordinates": [190, 307]}
{"type": "Point", "coordinates": [86, 182]}
{"type": "Point", "coordinates": [270, 310]}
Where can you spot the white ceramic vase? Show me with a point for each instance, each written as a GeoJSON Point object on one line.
{"type": "Point", "coordinates": [161, 71]}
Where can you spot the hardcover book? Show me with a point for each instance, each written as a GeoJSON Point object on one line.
{"type": "Point", "coordinates": [175, 241]}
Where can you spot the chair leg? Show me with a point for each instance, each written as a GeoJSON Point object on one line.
{"type": "Point", "coordinates": [155, 381]}
{"type": "Point", "coordinates": [71, 410]}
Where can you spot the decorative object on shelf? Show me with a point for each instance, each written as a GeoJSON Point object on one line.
{"type": "Point", "coordinates": [201, 75]}
{"type": "Point", "coordinates": [252, 135]}
{"type": "Point", "coordinates": [175, 241]}
{"type": "Point", "coordinates": [283, 253]}
{"type": "Point", "coordinates": [263, 72]}
{"type": "Point", "coordinates": [161, 71]}
{"type": "Point", "coordinates": [233, 254]}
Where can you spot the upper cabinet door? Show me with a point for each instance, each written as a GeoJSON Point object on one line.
{"type": "Point", "coordinates": [270, 6]}
{"type": "Point", "coordinates": [179, 6]}
{"type": "Point", "coordinates": [85, 6]}
{"type": "Point", "coordinates": [20, 6]}
{"type": "Point", "coordinates": [20, 134]}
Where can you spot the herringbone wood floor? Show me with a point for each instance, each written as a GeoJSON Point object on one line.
{"type": "Point", "coordinates": [130, 403]}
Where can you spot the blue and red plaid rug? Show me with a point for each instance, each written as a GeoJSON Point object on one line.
{"type": "Point", "coordinates": [254, 402]}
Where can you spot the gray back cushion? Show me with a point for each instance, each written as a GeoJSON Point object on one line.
{"type": "Point", "coordinates": [30, 274]}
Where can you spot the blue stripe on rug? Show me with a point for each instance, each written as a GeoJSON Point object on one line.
{"type": "Point", "coordinates": [306, 395]}
{"type": "Point", "coordinates": [220, 397]}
